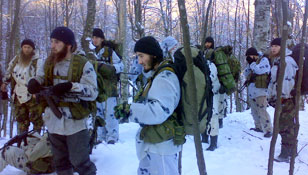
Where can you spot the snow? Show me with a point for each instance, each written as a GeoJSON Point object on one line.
{"type": "Point", "coordinates": [237, 153]}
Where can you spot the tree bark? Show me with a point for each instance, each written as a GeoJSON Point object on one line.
{"type": "Point", "coordinates": [261, 25]}
{"type": "Point", "coordinates": [204, 28]}
{"type": "Point", "coordinates": [87, 31]}
{"type": "Point", "coordinates": [191, 86]}
{"type": "Point", "coordinates": [298, 90]}
{"type": "Point", "coordinates": [279, 88]}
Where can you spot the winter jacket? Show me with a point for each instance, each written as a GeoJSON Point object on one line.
{"type": "Point", "coordinates": [262, 68]}
{"type": "Point", "coordinates": [87, 88]}
{"type": "Point", "coordinates": [21, 76]}
{"type": "Point", "coordinates": [163, 98]}
{"type": "Point", "coordinates": [215, 86]}
{"type": "Point", "coordinates": [288, 80]}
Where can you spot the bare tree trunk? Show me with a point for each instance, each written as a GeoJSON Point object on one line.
{"type": "Point", "coordinates": [298, 91]}
{"type": "Point", "coordinates": [204, 28]}
{"type": "Point", "coordinates": [87, 31]}
{"type": "Point", "coordinates": [261, 25]}
{"type": "Point", "coordinates": [191, 86]}
{"type": "Point", "coordinates": [122, 40]}
{"type": "Point", "coordinates": [279, 88]}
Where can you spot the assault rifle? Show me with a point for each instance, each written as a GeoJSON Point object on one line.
{"type": "Point", "coordinates": [52, 99]}
{"type": "Point", "coordinates": [252, 78]}
{"type": "Point", "coordinates": [18, 139]}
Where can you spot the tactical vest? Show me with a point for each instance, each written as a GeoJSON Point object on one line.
{"type": "Point", "coordinates": [78, 110]}
{"type": "Point", "coordinates": [261, 81]}
{"type": "Point", "coordinates": [106, 55]}
{"type": "Point", "coordinates": [169, 129]}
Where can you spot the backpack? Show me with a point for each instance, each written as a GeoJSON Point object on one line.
{"type": "Point", "coordinates": [220, 57]}
{"type": "Point", "coordinates": [180, 123]}
{"type": "Point", "coordinates": [203, 86]}
{"type": "Point", "coordinates": [235, 67]}
{"type": "Point", "coordinates": [295, 56]}
{"type": "Point", "coordinates": [106, 76]}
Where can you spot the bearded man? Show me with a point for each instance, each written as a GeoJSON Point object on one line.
{"type": "Point", "coordinates": [68, 74]}
{"type": "Point", "coordinates": [21, 69]}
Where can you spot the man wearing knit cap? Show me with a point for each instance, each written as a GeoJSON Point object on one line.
{"type": "Point", "coordinates": [257, 75]}
{"type": "Point", "coordinates": [67, 73]}
{"type": "Point", "coordinates": [21, 69]}
{"type": "Point", "coordinates": [152, 109]}
{"type": "Point", "coordinates": [286, 119]}
{"type": "Point", "coordinates": [105, 54]}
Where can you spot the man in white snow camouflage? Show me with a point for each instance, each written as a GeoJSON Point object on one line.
{"type": "Point", "coordinates": [152, 109]}
{"type": "Point", "coordinates": [105, 54]}
{"type": "Point", "coordinates": [257, 72]}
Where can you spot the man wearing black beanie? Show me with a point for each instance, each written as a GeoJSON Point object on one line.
{"type": "Point", "coordinates": [22, 68]}
{"type": "Point", "coordinates": [65, 72]}
{"type": "Point", "coordinates": [286, 119]}
{"type": "Point", "coordinates": [257, 75]}
{"type": "Point", "coordinates": [152, 109]}
{"type": "Point", "coordinates": [106, 54]}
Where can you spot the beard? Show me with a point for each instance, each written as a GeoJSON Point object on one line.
{"type": "Point", "coordinates": [57, 57]}
{"type": "Point", "coordinates": [151, 66]}
{"type": "Point", "coordinates": [25, 59]}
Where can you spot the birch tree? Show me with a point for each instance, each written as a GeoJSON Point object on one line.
{"type": "Point", "coordinates": [261, 25]}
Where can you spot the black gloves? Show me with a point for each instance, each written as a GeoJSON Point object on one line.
{"type": "Point", "coordinates": [250, 60]}
{"type": "Point", "coordinates": [34, 86]}
{"type": "Point", "coordinates": [61, 88]}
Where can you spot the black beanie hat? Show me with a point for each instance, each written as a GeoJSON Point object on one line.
{"type": "Point", "coordinates": [252, 51]}
{"type": "Point", "coordinates": [28, 42]}
{"type": "Point", "coordinates": [64, 34]}
{"type": "Point", "coordinates": [98, 33]}
{"type": "Point", "coordinates": [209, 39]}
{"type": "Point", "coordinates": [149, 45]}
{"type": "Point", "coordinates": [276, 41]}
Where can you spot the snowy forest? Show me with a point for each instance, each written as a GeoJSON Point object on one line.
{"type": "Point", "coordinates": [239, 23]}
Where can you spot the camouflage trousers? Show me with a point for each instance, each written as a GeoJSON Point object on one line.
{"type": "Point", "coordinates": [260, 116]}
{"type": "Point", "coordinates": [26, 113]}
{"type": "Point", "coordinates": [156, 164]}
{"type": "Point", "coordinates": [287, 123]}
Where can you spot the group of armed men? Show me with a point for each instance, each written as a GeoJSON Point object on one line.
{"type": "Point", "coordinates": [65, 72]}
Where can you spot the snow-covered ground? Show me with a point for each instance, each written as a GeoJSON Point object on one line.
{"type": "Point", "coordinates": [238, 153]}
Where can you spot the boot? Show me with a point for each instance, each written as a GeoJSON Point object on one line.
{"type": "Point", "coordinates": [205, 137]}
{"type": "Point", "coordinates": [220, 123]}
{"type": "Point", "coordinates": [66, 172]}
{"type": "Point", "coordinates": [284, 155]}
{"type": "Point", "coordinates": [213, 144]}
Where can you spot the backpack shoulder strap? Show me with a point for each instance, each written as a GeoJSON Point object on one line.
{"type": "Point", "coordinates": [76, 68]}
{"type": "Point", "coordinates": [108, 53]}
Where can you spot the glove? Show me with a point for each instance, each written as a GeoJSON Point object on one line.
{"type": "Point", "coordinates": [61, 88]}
{"type": "Point", "coordinates": [250, 60]}
{"type": "Point", "coordinates": [222, 89]}
{"type": "Point", "coordinates": [34, 86]}
{"type": "Point", "coordinates": [122, 112]}
{"type": "Point", "coordinates": [272, 102]}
